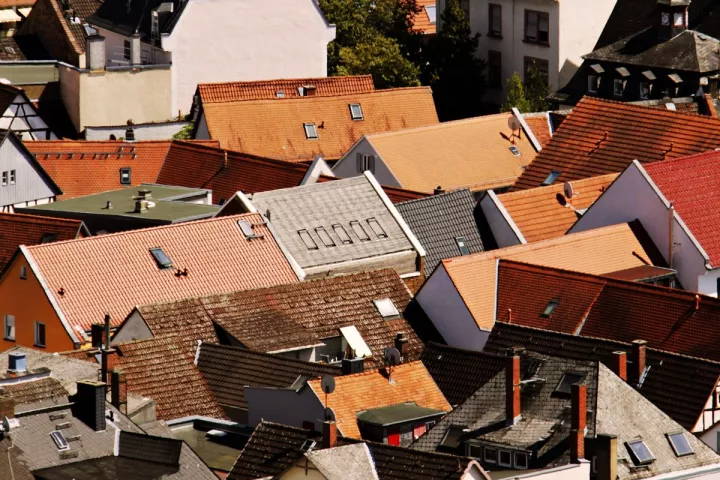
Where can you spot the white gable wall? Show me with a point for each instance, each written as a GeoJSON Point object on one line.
{"type": "Point", "coordinates": [503, 227]}
{"type": "Point", "coordinates": [30, 187]}
{"type": "Point", "coordinates": [347, 166]}
{"type": "Point", "coordinates": [22, 118]}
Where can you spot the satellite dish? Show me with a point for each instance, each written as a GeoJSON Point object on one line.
{"type": "Point", "coordinates": [329, 414]}
{"type": "Point", "coordinates": [328, 384]}
{"type": "Point", "coordinates": [569, 190]}
{"type": "Point", "coordinates": [392, 356]}
{"type": "Point", "coordinates": [514, 123]}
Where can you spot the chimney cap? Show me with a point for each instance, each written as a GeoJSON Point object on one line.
{"type": "Point", "coordinates": [516, 350]}
{"type": "Point", "coordinates": [639, 342]}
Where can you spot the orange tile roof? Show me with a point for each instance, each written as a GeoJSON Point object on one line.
{"type": "Point", "coordinates": [421, 21]}
{"type": "Point", "coordinates": [113, 273]}
{"type": "Point", "coordinates": [540, 127]}
{"type": "Point", "coordinates": [371, 389]}
{"type": "Point", "coordinates": [603, 136]}
{"type": "Point", "coordinates": [265, 89]}
{"type": "Point", "coordinates": [596, 252]}
{"type": "Point", "coordinates": [81, 167]}
{"type": "Point", "coordinates": [473, 153]}
{"type": "Point", "coordinates": [274, 128]}
{"type": "Point", "coordinates": [544, 212]}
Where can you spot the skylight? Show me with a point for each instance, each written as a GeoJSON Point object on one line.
{"type": "Point", "coordinates": [161, 258]}
{"type": "Point", "coordinates": [515, 151]}
{"type": "Point", "coordinates": [386, 307]}
{"type": "Point", "coordinates": [280, 94]}
{"type": "Point", "coordinates": [431, 13]}
{"type": "Point", "coordinates": [356, 112]}
{"type": "Point", "coordinates": [247, 230]}
{"type": "Point", "coordinates": [551, 306]}
{"type": "Point", "coordinates": [325, 237]}
{"type": "Point", "coordinates": [307, 240]}
{"type": "Point", "coordinates": [680, 444]}
{"type": "Point", "coordinates": [359, 231]}
{"type": "Point", "coordinates": [310, 131]}
{"type": "Point", "coordinates": [640, 452]}
{"type": "Point", "coordinates": [567, 381]}
{"type": "Point", "coordinates": [342, 234]}
{"type": "Point", "coordinates": [552, 176]}
{"type": "Point", "coordinates": [461, 246]}
{"type": "Point", "coordinates": [60, 441]}
{"type": "Point", "coordinates": [376, 228]}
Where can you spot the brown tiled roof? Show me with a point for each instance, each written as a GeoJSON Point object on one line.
{"type": "Point", "coordinates": [480, 157]}
{"type": "Point", "coordinates": [544, 212]}
{"type": "Point", "coordinates": [421, 20]}
{"type": "Point", "coordinates": [602, 136]}
{"type": "Point", "coordinates": [540, 127]}
{"type": "Point", "coordinates": [87, 167]}
{"type": "Point", "coordinates": [274, 128]}
{"type": "Point", "coordinates": [266, 89]}
{"type": "Point", "coordinates": [113, 273]}
{"type": "Point", "coordinates": [32, 391]}
{"type": "Point", "coordinates": [160, 368]}
{"type": "Point", "coordinates": [597, 252]}
{"type": "Point", "coordinates": [372, 389]}
{"type": "Point", "coordinates": [18, 229]}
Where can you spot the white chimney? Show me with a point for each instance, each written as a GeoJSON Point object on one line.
{"type": "Point", "coordinates": [95, 52]}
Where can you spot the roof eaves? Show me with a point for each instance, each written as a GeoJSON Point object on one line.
{"type": "Point", "coordinates": [528, 131]}
{"type": "Point", "coordinates": [511, 223]}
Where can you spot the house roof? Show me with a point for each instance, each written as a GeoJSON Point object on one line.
{"type": "Point", "coordinates": [19, 229]}
{"type": "Point", "coordinates": [539, 125]}
{"type": "Point", "coordinates": [668, 319]}
{"type": "Point", "coordinates": [268, 89]}
{"type": "Point", "coordinates": [87, 167]}
{"type": "Point", "coordinates": [677, 384]}
{"type": "Point", "coordinates": [22, 47]}
{"type": "Point", "coordinates": [690, 184]}
{"type": "Point", "coordinates": [127, 18]}
{"type": "Point", "coordinates": [215, 253]}
{"type": "Point", "coordinates": [164, 370]}
{"type": "Point", "coordinates": [437, 222]}
{"type": "Point", "coordinates": [473, 153]}
{"type": "Point", "coordinates": [544, 212]}
{"type": "Point", "coordinates": [10, 464]}
{"type": "Point", "coordinates": [351, 462]}
{"type": "Point", "coordinates": [601, 136]}
{"type": "Point", "coordinates": [372, 388]}
{"type": "Point", "coordinates": [327, 204]}
{"type": "Point", "coordinates": [597, 252]}
{"type": "Point", "coordinates": [35, 392]}
{"type": "Point", "coordinates": [228, 370]}
{"type": "Point", "coordinates": [421, 20]}
{"type": "Point", "coordinates": [459, 372]}
{"type": "Point", "coordinates": [274, 127]}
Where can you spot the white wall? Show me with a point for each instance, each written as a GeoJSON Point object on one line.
{"type": "Point", "coordinates": [632, 197]}
{"type": "Point", "coordinates": [497, 217]}
{"type": "Point", "coordinates": [150, 131]}
{"type": "Point", "coordinates": [284, 406]}
{"type": "Point", "coordinates": [230, 40]}
{"type": "Point", "coordinates": [579, 471]}
{"type": "Point", "coordinates": [29, 184]}
{"type": "Point", "coordinates": [443, 305]}
{"type": "Point", "coordinates": [346, 167]}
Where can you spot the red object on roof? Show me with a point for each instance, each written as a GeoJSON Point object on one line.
{"type": "Point", "coordinates": [693, 185]}
{"type": "Point", "coordinates": [602, 136]}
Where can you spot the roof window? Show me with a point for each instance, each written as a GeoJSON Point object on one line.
{"type": "Point", "coordinates": [550, 179]}
{"type": "Point", "coordinates": [387, 308]}
{"type": "Point", "coordinates": [310, 131]}
{"type": "Point", "coordinates": [325, 237]}
{"type": "Point", "coordinates": [431, 13]}
{"type": "Point", "coordinates": [59, 440]}
{"type": "Point", "coordinates": [125, 176]}
{"type": "Point", "coordinates": [551, 306]}
{"type": "Point", "coordinates": [280, 94]}
{"type": "Point", "coordinates": [356, 112]}
{"type": "Point", "coordinates": [640, 452]}
{"type": "Point", "coordinates": [307, 240]}
{"type": "Point", "coordinates": [247, 230]}
{"type": "Point", "coordinates": [515, 151]}
{"type": "Point", "coordinates": [359, 231]}
{"type": "Point", "coordinates": [679, 443]}
{"type": "Point", "coordinates": [161, 258]}
{"type": "Point", "coordinates": [342, 234]}
{"type": "Point", "coordinates": [461, 246]}
{"type": "Point", "coordinates": [567, 381]}
{"type": "Point", "coordinates": [376, 228]}
{"type": "Point", "coordinates": [48, 237]}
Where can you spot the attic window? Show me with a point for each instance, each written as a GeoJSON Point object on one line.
{"type": "Point", "coordinates": [551, 306]}
{"type": "Point", "coordinates": [376, 228]}
{"type": "Point", "coordinates": [48, 237]}
{"type": "Point", "coordinates": [359, 231]}
{"type": "Point", "coordinates": [356, 112]}
{"type": "Point", "coordinates": [550, 179]}
{"type": "Point", "coordinates": [342, 234]}
{"type": "Point", "coordinates": [515, 151]}
{"type": "Point", "coordinates": [461, 246]}
{"type": "Point", "coordinates": [679, 443]}
{"type": "Point", "coordinates": [640, 452]}
{"type": "Point", "coordinates": [125, 176]}
{"type": "Point", "coordinates": [59, 440]}
{"type": "Point", "coordinates": [280, 94]}
{"type": "Point", "coordinates": [161, 258]}
{"type": "Point", "coordinates": [431, 13]}
{"type": "Point", "coordinates": [307, 239]}
{"type": "Point", "coordinates": [386, 307]}
{"type": "Point", "coordinates": [310, 131]}
{"type": "Point", "coordinates": [247, 230]}
{"type": "Point", "coordinates": [325, 237]}
{"type": "Point", "coordinates": [567, 381]}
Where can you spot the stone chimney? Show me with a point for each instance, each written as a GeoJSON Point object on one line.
{"type": "Point", "coordinates": [578, 422]}
{"type": "Point", "coordinates": [606, 457]}
{"type": "Point", "coordinates": [638, 358]}
{"type": "Point", "coordinates": [618, 364]}
{"type": "Point", "coordinates": [135, 50]}
{"type": "Point", "coordinates": [512, 390]}
{"type": "Point", "coordinates": [329, 439]}
{"type": "Point", "coordinates": [95, 53]}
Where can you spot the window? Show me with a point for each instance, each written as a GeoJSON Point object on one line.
{"type": "Point", "coordinates": [461, 246]}
{"type": "Point", "coordinates": [280, 94]}
{"type": "Point", "coordinates": [505, 459]}
{"type": "Point", "coordinates": [9, 327]}
{"type": "Point", "coordinates": [126, 49]}
{"type": "Point", "coordinates": [23, 273]}
{"type": "Point", "coordinates": [592, 83]}
{"type": "Point", "coordinates": [640, 453]}
{"type": "Point", "coordinates": [310, 131]}
{"type": "Point", "coordinates": [247, 230]}
{"type": "Point", "coordinates": [490, 455]}
{"type": "Point", "coordinates": [48, 237]}
{"type": "Point", "coordinates": [386, 308]}
{"type": "Point", "coordinates": [474, 451]}
{"type": "Point", "coordinates": [515, 151]}
{"type": "Point", "coordinates": [342, 234]}
{"type": "Point", "coordinates": [567, 381]}
{"type": "Point", "coordinates": [551, 306]}
{"type": "Point", "coordinates": [537, 64]}
{"type": "Point", "coordinates": [365, 162]}
{"type": "Point", "coordinates": [161, 258]}
{"type": "Point", "coordinates": [618, 87]}
{"type": "Point", "coordinates": [679, 19]}
{"type": "Point", "coordinates": [12, 177]}
{"type": "Point", "coordinates": [521, 461]}
{"type": "Point", "coordinates": [376, 228]}
{"type": "Point", "coordinates": [60, 440]}
{"type": "Point", "coordinates": [325, 237]}
{"type": "Point", "coordinates": [4, 178]}
{"type": "Point", "coordinates": [39, 334]}
{"type": "Point", "coordinates": [495, 20]}
{"type": "Point", "coordinates": [536, 26]}
{"type": "Point", "coordinates": [356, 112]}
{"type": "Point", "coordinates": [644, 90]}
{"type": "Point", "coordinates": [431, 12]}
{"type": "Point", "coordinates": [359, 231]}
{"type": "Point", "coordinates": [679, 443]}
{"type": "Point", "coordinates": [494, 69]}
{"type": "Point", "coordinates": [552, 176]}
{"type": "Point", "coordinates": [307, 240]}
{"type": "Point", "coordinates": [125, 176]}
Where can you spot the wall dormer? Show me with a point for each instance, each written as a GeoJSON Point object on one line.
{"type": "Point", "coordinates": [673, 17]}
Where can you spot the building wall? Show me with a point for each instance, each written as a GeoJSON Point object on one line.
{"type": "Point", "coordinates": [346, 167]}
{"type": "Point", "coordinates": [43, 22]}
{"type": "Point", "coordinates": [271, 405]}
{"type": "Point", "coordinates": [134, 328]}
{"type": "Point", "coordinates": [402, 262]}
{"type": "Point", "coordinates": [501, 229]}
{"type": "Point", "coordinates": [151, 131]}
{"type": "Point", "coordinates": [303, 469]}
{"type": "Point", "coordinates": [29, 185]}
{"type": "Point", "coordinates": [230, 40]}
{"type": "Point", "coordinates": [27, 301]}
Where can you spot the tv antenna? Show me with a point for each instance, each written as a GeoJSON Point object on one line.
{"type": "Point", "coordinates": [514, 124]}
{"type": "Point", "coordinates": [392, 358]}
{"type": "Point", "coordinates": [328, 386]}
{"type": "Point", "coordinates": [569, 190]}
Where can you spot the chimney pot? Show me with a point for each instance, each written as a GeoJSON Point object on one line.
{"type": "Point", "coordinates": [639, 355]}
{"type": "Point", "coordinates": [329, 439]}
{"type": "Point", "coordinates": [401, 343]}
{"type": "Point", "coordinates": [512, 390]}
{"type": "Point", "coordinates": [619, 364]}
{"type": "Point", "coordinates": [118, 391]}
{"type": "Point", "coordinates": [352, 365]}
{"type": "Point", "coordinates": [578, 422]}
{"type": "Point", "coordinates": [439, 190]}
{"type": "Point", "coordinates": [95, 53]}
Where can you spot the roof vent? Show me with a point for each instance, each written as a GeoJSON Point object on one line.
{"type": "Point", "coordinates": [17, 362]}
{"type": "Point", "coordinates": [144, 194]}
{"type": "Point", "coordinates": [108, 205]}
{"type": "Point", "coordinates": [438, 190]}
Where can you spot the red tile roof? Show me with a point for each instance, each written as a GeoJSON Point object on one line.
{"type": "Point", "coordinates": [693, 185]}
{"type": "Point", "coordinates": [668, 319]}
{"type": "Point", "coordinates": [87, 167]}
{"type": "Point", "coordinates": [602, 136]}
{"type": "Point", "coordinates": [113, 273]}
{"type": "Point", "coordinates": [264, 89]}
{"type": "Point", "coordinates": [19, 229]}
{"type": "Point", "coordinates": [540, 127]}
{"type": "Point", "coordinates": [421, 21]}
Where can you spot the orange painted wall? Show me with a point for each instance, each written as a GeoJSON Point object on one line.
{"type": "Point", "coordinates": [26, 300]}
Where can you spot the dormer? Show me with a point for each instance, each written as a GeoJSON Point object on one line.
{"type": "Point", "coordinates": [673, 17]}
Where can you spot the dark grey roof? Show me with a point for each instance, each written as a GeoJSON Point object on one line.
{"type": "Point", "coordinates": [399, 413]}
{"type": "Point", "coordinates": [437, 220]}
{"type": "Point", "coordinates": [127, 17]}
{"type": "Point", "coordinates": [10, 465]}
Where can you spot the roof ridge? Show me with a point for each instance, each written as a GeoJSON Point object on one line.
{"type": "Point", "coordinates": [437, 126]}
{"type": "Point", "coordinates": [672, 161]}
{"type": "Point", "coordinates": [373, 371]}
{"type": "Point", "coordinates": [461, 349]}
{"type": "Point", "coordinates": [274, 357]}
{"type": "Point", "coordinates": [643, 110]}
{"type": "Point", "coordinates": [558, 186]}
{"type": "Point", "coordinates": [240, 156]}
{"type": "Point", "coordinates": [329, 98]}
{"type": "Point", "coordinates": [278, 80]}
{"type": "Point", "coordinates": [29, 216]}
{"type": "Point", "coordinates": [430, 197]}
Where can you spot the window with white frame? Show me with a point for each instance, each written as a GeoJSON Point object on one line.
{"type": "Point", "coordinates": [521, 460]}
{"type": "Point", "coordinates": [39, 334]}
{"type": "Point", "coordinates": [4, 178]}
{"type": "Point", "coordinates": [12, 177]}
{"type": "Point", "coordinates": [490, 455]}
{"type": "Point", "coordinates": [9, 327]}
{"type": "Point", "coordinates": [310, 131]}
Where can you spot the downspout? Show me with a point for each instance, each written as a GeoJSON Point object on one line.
{"type": "Point", "coordinates": [671, 213]}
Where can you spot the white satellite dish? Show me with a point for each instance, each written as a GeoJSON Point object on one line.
{"type": "Point", "coordinates": [514, 123]}
{"type": "Point", "coordinates": [569, 190]}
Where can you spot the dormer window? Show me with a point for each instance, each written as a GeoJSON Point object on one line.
{"type": "Point", "coordinates": [592, 84]}
{"type": "Point", "coordinates": [567, 381]}
{"type": "Point", "coordinates": [356, 112]}
{"type": "Point", "coordinates": [618, 87]}
{"type": "Point", "coordinates": [640, 452]}
{"type": "Point", "coordinates": [310, 131]}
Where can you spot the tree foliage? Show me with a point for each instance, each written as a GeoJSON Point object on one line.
{"type": "Point", "coordinates": [184, 133]}
{"type": "Point", "coordinates": [382, 59]}
{"type": "Point", "coordinates": [516, 95]}
{"type": "Point", "coordinates": [529, 96]}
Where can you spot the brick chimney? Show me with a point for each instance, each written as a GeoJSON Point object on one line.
{"type": "Point", "coordinates": [578, 422]}
{"type": "Point", "coordinates": [512, 390]}
{"type": "Point", "coordinates": [606, 457]}
{"type": "Point", "coordinates": [618, 364]}
{"type": "Point", "coordinates": [329, 439]}
{"type": "Point", "coordinates": [7, 405]}
{"type": "Point", "coordinates": [638, 358]}
{"type": "Point", "coordinates": [401, 341]}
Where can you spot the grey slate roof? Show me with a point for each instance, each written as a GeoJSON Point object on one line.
{"type": "Point", "coordinates": [349, 462]}
{"type": "Point", "coordinates": [327, 205]}
{"type": "Point", "coordinates": [436, 221]}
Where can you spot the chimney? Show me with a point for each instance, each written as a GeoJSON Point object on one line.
{"type": "Point", "coordinates": [7, 405]}
{"type": "Point", "coordinates": [95, 53]}
{"type": "Point", "coordinates": [352, 365]}
{"type": "Point", "coordinates": [439, 190]}
{"type": "Point", "coordinates": [96, 335]}
{"type": "Point", "coordinates": [578, 422]}
{"type": "Point", "coordinates": [606, 456]}
{"type": "Point", "coordinates": [135, 50]}
{"type": "Point", "coordinates": [401, 343]}
{"type": "Point", "coordinates": [638, 358]}
{"type": "Point", "coordinates": [17, 363]}
{"type": "Point", "coordinates": [618, 364]}
{"type": "Point", "coordinates": [129, 134]}
{"type": "Point", "coordinates": [141, 206]}
{"type": "Point", "coordinates": [512, 390]}
{"type": "Point", "coordinates": [329, 439]}
{"type": "Point", "coordinates": [89, 404]}
{"type": "Point", "coordinates": [145, 194]}
{"type": "Point", "coordinates": [118, 391]}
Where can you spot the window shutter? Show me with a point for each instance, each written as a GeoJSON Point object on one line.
{"type": "Point", "coordinates": [371, 163]}
{"type": "Point", "coordinates": [359, 157]}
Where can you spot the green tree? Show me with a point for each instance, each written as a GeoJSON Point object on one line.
{"type": "Point", "coordinates": [536, 89]}
{"type": "Point", "coordinates": [516, 95]}
{"type": "Point", "coordinates": [381, 58]}
{"type": "Point", "coordinates": [456, 75]}
{"type": "Point", "coordinates": [184, 133]}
